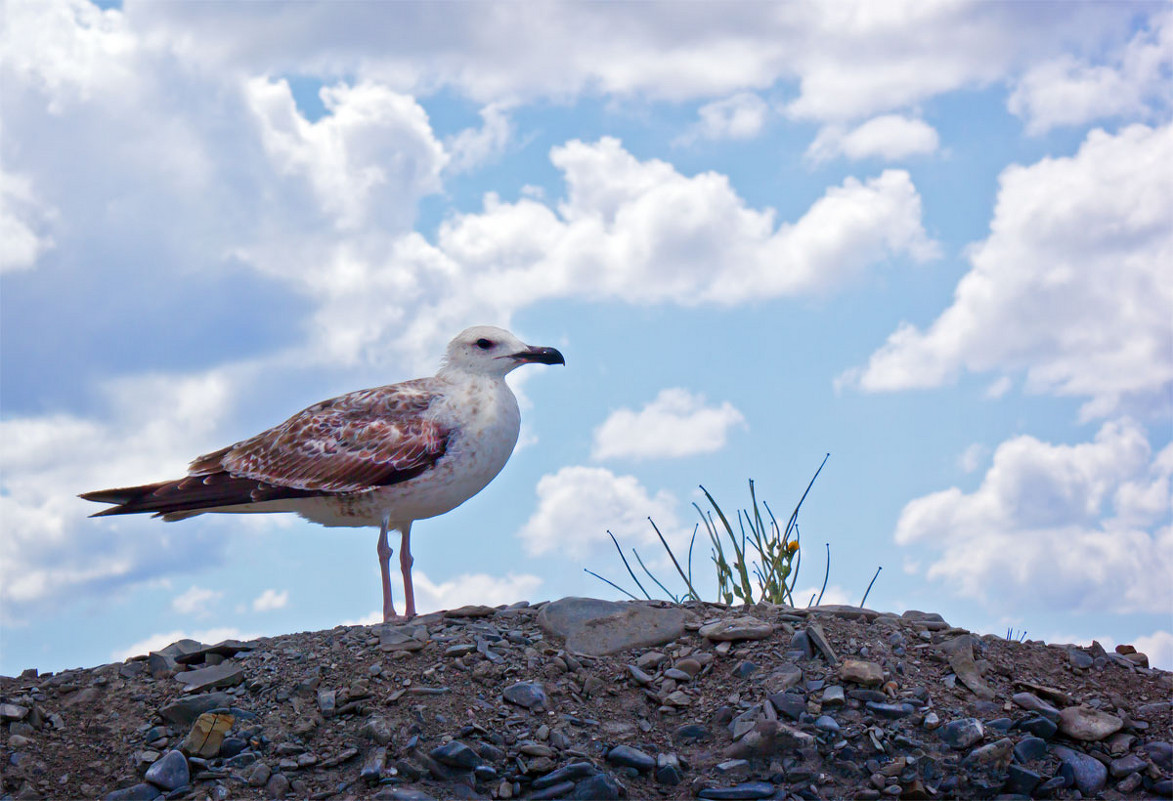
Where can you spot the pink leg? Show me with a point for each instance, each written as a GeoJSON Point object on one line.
{"type": "Point", "coordinates": [385, 552]}
{"type": "Point", "coordinates": [405, 563]}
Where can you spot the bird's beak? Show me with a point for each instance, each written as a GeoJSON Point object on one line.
{"type": "Point", "coordinates": [540, 356]}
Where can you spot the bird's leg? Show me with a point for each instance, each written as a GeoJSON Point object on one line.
{"type": "Point", "coordinates": [384, 551]}
{"type": "Point", "coordinates": [405, 563]}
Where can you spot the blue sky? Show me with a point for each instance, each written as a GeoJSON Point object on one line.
{"type": "Point", "coordinates": [930, 239]}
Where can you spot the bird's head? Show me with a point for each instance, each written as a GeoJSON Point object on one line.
{"type": "Point", "coordinates": [488, 350]}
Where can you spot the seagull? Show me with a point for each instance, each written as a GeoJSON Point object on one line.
{"type": "Point", "coordinates": [382, 457]}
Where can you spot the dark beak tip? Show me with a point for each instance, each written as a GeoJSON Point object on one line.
{"type": "Point", "coordinates": [543, 356]}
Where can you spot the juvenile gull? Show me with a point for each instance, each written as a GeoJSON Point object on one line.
{"type": "Point", "coordinates": [383, 457]}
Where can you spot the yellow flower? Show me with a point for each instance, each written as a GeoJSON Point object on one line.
{"type": "Point", "coordinates": [792, 546]}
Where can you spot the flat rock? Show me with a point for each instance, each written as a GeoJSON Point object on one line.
{"type": "Point", "coordinates": [630, 757]}
{"type": "Point", "coordinates": [528, 694]}
{"type": "Point", "coordinates": [742, 627]}
{"type": "Point", "coordinates": [402, 638]}
{"type": "Point", "coordinates": [598, 628]}
{"type": "Point", "coordinates": [184, 711]}
{"type": "Point", "coordinates": [212, 677]}
{"type": "Point", "coordinates": [139, 792]}
{"type": "Point", "coordinates": [845, 611]}
{"type": "Point", "coordinates": [224, 649]}
{"type": "Point", "coordinates": [869, 674]}
{"type": "Point", "coordinates": [207, 734]}
{"type": "Point", "coordinates": [961, 734]}
{"type": "Point", "coordinates": [748, 790]}
{"type": "Point", "coordinates": [960, 653]}
{"type": "Point", "coordinates": [1087, 724]}
{"type": "Point", "coordinates": [819, 640]}
{"type": "Point", "coordinates": [471, 610]}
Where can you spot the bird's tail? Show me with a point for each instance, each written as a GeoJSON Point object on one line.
{"type": "Point", "coordinates": [190, 496]}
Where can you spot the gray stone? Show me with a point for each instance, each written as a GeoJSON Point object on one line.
{"type": "Point", "coordinates": [826, 723]}
{"type": "Point", "coordinates": [529, 694]}
{"type": "Point", "coordinates": [371, 771]}
{"type": "Point", "coordinates": [833, 696]}
{"type": "Point", "coordinates": [161, 665]}
{"type": "Point", "coordinates": [559, 790]}
{"type": "Point", "coordinates": [748, 790]}
{"type": "Point", "coordinates": [1127, 765]}
{"type": "Point", "coordinates": [742, 627]}
{"type": "Point", "coordinates": [597, 788]}
{"type": "Point", "coordinates": [844, 611]}
{"type": "Point", "coordinates": [13, 712]}
{"type": "Point", "coordinates": [259, 775]}
{"type": "Point", "coordinates": [408, 637]}
{"type": "Point", "coordinates": [960, 653]}
{"type": "Point", "coordinates": [277, 786]}
{"type": "Point", "coordinates": [633, 625]}
{"type": "Point", "coordinates": [170, 772]}
{"type": "Point", "coordinates": [692, 732]}
{"type": "Point", "coordinates": [733, 769]}
{"type": "Point", "coordinates": [792, 705]}
{"type": "Point", "coordinates": [961, 734]}
{"type": "Point", "coordinates": [1032, 703]}
{"type": "Point", "coordinates": [1028, 749]}
{"type": "Point", "coordinates": [992, 756]}
{"type": "Point", "coordinates": [801, 643]}
{"type": "Point", "coordinates": [570, 773]}
{"type": "Point", "coordinates": [917, 616]}
{"type": "Point", "coordinates": [1161, 753]}
{"type": "Point", "coordinates": [1088, 724]}
{"type": "Point", "coordinates": [210, 678]}
{"type": "Point", "coordinates": [1079, 659]}
{"type": "Point", "coordinates": [376, 729]}
{"type": "Point", "coordinates": [890, 711]}
{"type": "Point", "coordinates": [1089, 774]}
{"type": "Point", "coordinates": [455, 754]}
{"type": "Point", "coordinates": [139, 792]}
{"type": "Point", "coordinates": [1020, 781]}
{"type": "Point", "coordinates": [1039, 727]}
{"type": "Point", "coordinates": [668, 770]}
{"type": "Point", "coordinates": [402, 794]}
{"type": "Point", "coordinates": [819, 640]}
{"type": "Point", "coordinates": [630, 757]}
{"type": "Point", "coordinates": [785, 677]}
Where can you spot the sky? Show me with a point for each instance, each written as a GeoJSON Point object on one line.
{"type": "Point", "coordinates": [930, 239]}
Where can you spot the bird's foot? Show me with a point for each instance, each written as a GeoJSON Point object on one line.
{"type": "Point", "coordinates": [393, 618]}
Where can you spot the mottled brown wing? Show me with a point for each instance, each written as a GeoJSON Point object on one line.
{"type": "Point", "coordinates": [352, 443]}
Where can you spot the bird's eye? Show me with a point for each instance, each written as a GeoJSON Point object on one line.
{"type": "Point", "coordinates": [484, 344]}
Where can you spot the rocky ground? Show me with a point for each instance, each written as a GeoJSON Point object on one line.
{"type": "Point", "coordinates": [588, 699]}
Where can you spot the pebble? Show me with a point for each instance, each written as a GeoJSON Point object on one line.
{"type": "Point", "coordinates": [402, 794]}
{"type": "Point", "coordinates": [185, 711]}
{"type": "Point", "coordinates": [1028, 749]}
{"type": "Point", "coordinates": [1161, 753]}
{"type": "Point", "coordinates": [792, 705]}
{"type": "Point", "coordinates": [994, 755]}
{"type": "Point", "coordinates": [961, 734]}
{"type": "Point", "coordinates": [210, 678]}
{"type": "Point", "coordinates": [743, 627]}
{"type": "Point", "coordinates": [819, 640]}
{"type": "Point", "coordinates": [138, 792]}
{"type": "Point", "coordinates": [455, 754]}
{"type": "Point", "coordinates": [527, 694]}
{"type": "Point", "coordinates": [748, 790]}
{"type": "Point", "coordinates": [1126, 766]}
{"type": "Point", "coordinates": [170, 772]}
{"type": "Point", "coordinates": [1039, 727]}
{"type": "Point", "coordinates": [668, 770]}
{"type": "Point", "coordinates": [1088, 724]}
{"type": "Point", "coordinates": [570, 773]}
{"type": "Point", "coordinates": [890, 711]}
{"type": "Point", "coordinates": [597, 788]}
{"type": "Point", "coordinates": [833, 696]}
{"type": "Point", "coordinates": [1021, 781]}
{"type": "Point", "coordinates": [826, 723]}
{"type": "Point", "coordinates": [1032, 703]}
{"type": "Point", "coordinates": [627, 756]}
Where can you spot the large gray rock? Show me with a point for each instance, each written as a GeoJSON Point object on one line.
{"type": "Point", "coordinates": [960, 653]}
{"type": "Point", "coordinates": [1085, 723]}
{"type": "Point", "coordinates": [598, 628]}
{"type": "Point", "coordinates": [209, 678]}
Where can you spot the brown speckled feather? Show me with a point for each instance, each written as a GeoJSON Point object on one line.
{"type": "Point", "coordinates": [350, 444]}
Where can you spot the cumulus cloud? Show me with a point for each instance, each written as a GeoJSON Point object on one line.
{"type": "Point", "coordinates": [373, 151]}
{"type": "Point", "coordinates": [1077, 527]}
{"type": "Point", "coordinates": [1070, 90]}
{"type": "Point", "coordinates": [1158, 646]}
{"type": "Point", "coordinates": [22, 222]}
{"type": "Point", "coordinates": [577, 506]}
{"type": "Point", "coordinates": [677, 423]}
{"type": "Point", "coordinates": [270, 600]}
{"type": "Point", "coordinates": [890, 137]}
{"type": "Point", "coordinates": [741, 116]}
{"type": "Point", "coordinates": [50, 551]}
{"type": "Point", "coordinates": [1070, 287]}
{"type": "Point", "coordinates": [195, 601]}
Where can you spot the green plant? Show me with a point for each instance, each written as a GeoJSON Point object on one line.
{"type": "Point", "coordinates": [763, 554]}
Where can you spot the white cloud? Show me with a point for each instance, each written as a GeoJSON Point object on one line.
{"type": "Point", "coordinates": [373, 151]}
{"type": "Point", "coordinates": [675, 424]}
{"type": "Point", "coordinates": [1158, 647]}
{"type": "Point", "coordinates": [1069, 90]}
{"type": "Point", "coordinates": [1071, 285]}
{"type": "Point", "coordinates": [1059, 527]}
{"type": "Point", "coordinates": [890, 137]}
{"type": "Point", "coordinates": [195, 601]}
{"type": "Point", "coordinates": [577, 506]}
{"type": "Point", "coordinates": [972, 457]}
{"type": "Point", "coordinates": [473, 147]}
{"type": "Point", "coordinates": [850, 59]}
{"type": "Point", "coordinates": [480, 589]}
{"type": "Point", "coordinates": [270, 600]}
{"type": "Point", "coordinates": [741, 116]}
{"type": "Point", "coordinates": [50, 551]}
{"type": "Point", "coordinates": [834, 594]}
{"type": "Point", "coordinates": [22, 217]}
{"type": "Point", "coordinates": [156, 642]}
